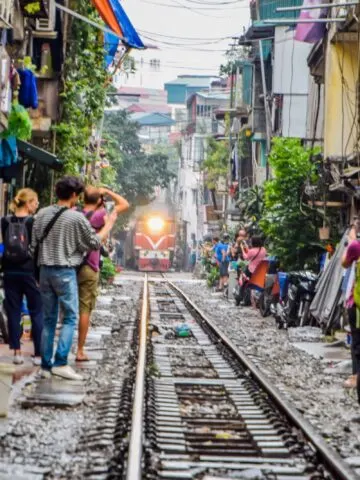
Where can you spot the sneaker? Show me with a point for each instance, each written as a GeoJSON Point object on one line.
{"type": "Point", "coordinates": [66, 372]}
{"type": "Point", "coordinates": [18, 359]}
{"type": "Point", "coordinates": [45, 373]}
{"type": "Point", "coordinates": [36, 361]}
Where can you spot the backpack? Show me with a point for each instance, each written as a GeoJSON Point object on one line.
{"type": "Point", "coordinates": [16, 241]}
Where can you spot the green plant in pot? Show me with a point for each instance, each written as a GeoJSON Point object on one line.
{"type": "Point", "coordinates": [108, 271]}
{"type": "Point", "coordinates": [35, 9]}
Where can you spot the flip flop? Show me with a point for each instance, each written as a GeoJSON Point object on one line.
{"type": "Point", "coordinates": [82, 359]}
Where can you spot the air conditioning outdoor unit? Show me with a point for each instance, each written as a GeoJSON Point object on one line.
{"type": "Point", "coordinates": [6, 9]}
{"type": "Point", "coordinates": [47, 24]}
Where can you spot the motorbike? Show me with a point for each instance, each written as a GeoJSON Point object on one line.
{"type": "Point", "coordinates": [293, 306]}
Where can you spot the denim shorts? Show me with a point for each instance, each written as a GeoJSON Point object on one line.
{"type": "Point", "coordinates": [224, 269]}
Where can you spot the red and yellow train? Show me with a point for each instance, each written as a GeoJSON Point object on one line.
{"type": "Point", "coordinates": [154, 242]}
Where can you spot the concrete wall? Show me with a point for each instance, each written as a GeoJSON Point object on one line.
{"type": "Point", "coordinates": [340, 98]}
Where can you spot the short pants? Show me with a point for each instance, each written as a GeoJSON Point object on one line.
{"type": "Point", "coordinates": [224, 269]}
{"type": "Point", "coordinates": [88, 287]}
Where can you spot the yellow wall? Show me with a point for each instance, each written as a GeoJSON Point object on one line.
{"type": "Point", "coordinates": [340, 99]}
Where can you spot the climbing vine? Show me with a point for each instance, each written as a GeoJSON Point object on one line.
{"type": "Point", "coordinates": [84, 94]}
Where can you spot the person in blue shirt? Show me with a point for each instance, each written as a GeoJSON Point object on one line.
{"type": "Point", "coordinates": [221, 252]}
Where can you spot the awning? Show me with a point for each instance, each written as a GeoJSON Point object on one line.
{"type": "Point", "coordinates": [116, 19]}
{"type": "Point", "coordinates": [37, 154]}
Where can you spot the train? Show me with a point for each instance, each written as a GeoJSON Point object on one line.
{"type": "Point", "coordinates": [153, 242]}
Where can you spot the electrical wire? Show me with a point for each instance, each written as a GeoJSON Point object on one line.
{"type": "Point", "coordinates": [229, 2]}
{"type": "Point", "coordinates": [198, 11]}
{"type": "Point", "coordinates": [182, 67]}
{"type": "Point", "coordinates": [178, 44]}
{"type": "Point", "coordinates": [185, 38]}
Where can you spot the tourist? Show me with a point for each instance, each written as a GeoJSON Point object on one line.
{"type": "Point", "coordinates": [221, 251]}
{"type": "Point", "coordinates": [62, 236]}
{"type": "Point", "coordinates": [351, 256]}
{"type": "Point", "coordinates": [253, 255]}
{"type": "Point", "coordinates": [88, 275]}
{"type": "Point", "coordinates": [19, 272]}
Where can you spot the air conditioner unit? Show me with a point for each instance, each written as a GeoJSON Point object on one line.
{"type": "Point", "coordinates": [6, 9]}
{"type": "Point", "coordinates": [47, 24]}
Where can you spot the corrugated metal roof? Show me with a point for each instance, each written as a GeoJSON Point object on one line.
{"type": "Point", "coordinates": [267, 8]}
{"type": "Point", "coordinates": [152, 119]}
{"type": "Point", "coordinates": [195, 81]}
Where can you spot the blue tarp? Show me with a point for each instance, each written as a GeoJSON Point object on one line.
{"type": "Point", "coordinates": [111, 45]}
{"type": "Point", "coordinates": [131, 37]}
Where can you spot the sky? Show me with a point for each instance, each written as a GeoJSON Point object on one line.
{"type": "Point", "coordinates": [191, 36]}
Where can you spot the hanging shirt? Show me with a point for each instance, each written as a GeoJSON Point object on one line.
{"type": "Point", "coordinates": [28, 96]}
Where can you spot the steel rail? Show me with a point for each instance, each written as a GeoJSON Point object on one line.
{"type": "Point", "coordinates": [134, 459]}
{"type": "Point", "coordinates": [330, 458]}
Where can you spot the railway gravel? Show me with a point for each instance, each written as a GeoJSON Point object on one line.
{"type": "Point", "coordinates": [304, 379]}
{"type": "Point", "coordinates": [49, 442]}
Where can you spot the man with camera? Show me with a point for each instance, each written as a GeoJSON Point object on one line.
{"type": "Point", "coordinates": [88, 275]}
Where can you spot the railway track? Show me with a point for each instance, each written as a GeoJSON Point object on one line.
{"type": "Point", "coordinates": [202, 410]}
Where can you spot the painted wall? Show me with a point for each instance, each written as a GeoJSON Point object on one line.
{"type": "Point", "coordinates": [340, 121]}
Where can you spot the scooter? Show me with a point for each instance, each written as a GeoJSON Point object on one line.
{"type": "Point", "coordinates": [293, 307]}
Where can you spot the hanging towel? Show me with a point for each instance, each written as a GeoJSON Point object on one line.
{"type": "Point", "coordinates": [28, 96]}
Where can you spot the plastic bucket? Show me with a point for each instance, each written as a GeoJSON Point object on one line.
{"type": "Point", "coordinates": [283, 283]}
{"type": "Point", "coordinates": [6, 376]}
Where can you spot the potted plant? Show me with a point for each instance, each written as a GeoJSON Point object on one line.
{"type": "Point", "coordinates": [35, 9]}
{"type": "Point", "coordinates": [108, 271]}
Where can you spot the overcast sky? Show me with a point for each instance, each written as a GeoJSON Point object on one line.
{"type": "Point", "coordinates": [163, 22]}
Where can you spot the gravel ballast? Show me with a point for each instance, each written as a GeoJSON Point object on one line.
{"type": "Point", "coordinates": [50, 442]}
{"type": "Point", "coordinates": [304, 379]}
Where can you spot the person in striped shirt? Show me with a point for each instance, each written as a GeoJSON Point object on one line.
{"type": "Point", "coordinates": [61, 250]}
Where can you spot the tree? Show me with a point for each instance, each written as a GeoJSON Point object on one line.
{"type": "Point", "coordinates": [216, 163]}
{"type": "Point", "coordinates": [134, 173]}
{"type": "Point", "coordinates": [290, 225]}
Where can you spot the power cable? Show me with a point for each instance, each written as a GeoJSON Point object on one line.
{"type": "Point", "coordinates": [198, 11]}
{"type": "Point", "coordinates": [185, 38]}
{"type": "Point", "coordinates": [229, 2]}
{"type": "Point", "coordinates": [178, 44]}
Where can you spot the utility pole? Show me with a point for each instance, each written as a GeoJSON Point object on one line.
{"type": "Point", "coordinates": [267, 108]}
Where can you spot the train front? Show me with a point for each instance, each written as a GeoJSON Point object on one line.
{"type": "Point", "coordinates": [154, 243]}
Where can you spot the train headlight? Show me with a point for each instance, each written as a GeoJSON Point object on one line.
{"type": "Point", "coordinates": [156, 224]}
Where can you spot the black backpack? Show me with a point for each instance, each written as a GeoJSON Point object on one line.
{"type": "Point", "coordinates": [16, 241]}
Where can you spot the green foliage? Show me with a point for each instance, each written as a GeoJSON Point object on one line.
{"type": "Point", "coordinates": [216, 163]}
{"type": "Point", "coordinates": [19, 123]}
{"type": "Point", "coordinates": [84, 92]}
{"type": "Point", "coordinates": [136, 173]}
{"type": "Point", "coordinates": [213, 277]}
{"type": "Point", "coordinates": [234, 60]}
{"type": "Point", "coordinates": [251, 205]}
{"type": "Point", "coordinates": [108, 270]}
{"type": "Point", "coordinates": [290, 225]}
{"type": "Point", "coordinates": [32, 8]}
